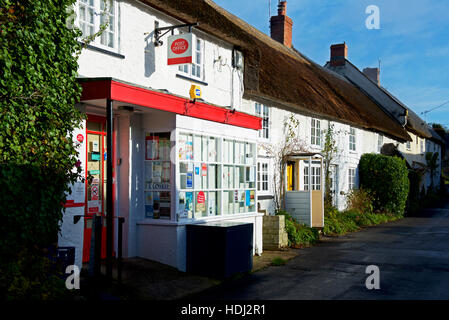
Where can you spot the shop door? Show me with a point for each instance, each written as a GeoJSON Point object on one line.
{"type": "Point", "coordinates": [95, 183]}
{"type": "Point", "coordinates": [290, 176]}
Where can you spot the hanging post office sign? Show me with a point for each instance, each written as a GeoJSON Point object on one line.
{"type": "Point", "coordinates": [180, 48]}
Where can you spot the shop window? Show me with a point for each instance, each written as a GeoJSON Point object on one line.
{"type": "Point", "coordinates": [92, 14]}
{"type": "Point", "coordinates": [216, 176]}
{"type": "Point", "coordinates": [157, 175]}
{"type": "Point", "coordinates": [263, 112]}
{"type": "Point", "coordinates": [195, 69]}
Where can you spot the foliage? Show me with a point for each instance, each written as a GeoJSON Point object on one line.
{"type": "Point", "coordinates": [329, 151]}
{"type": "Point", "coordinates": [31, 277]}
{"type": "Point", "coordinates": [360, 200]}
{"type": "Point", "coordinates": [432, 163]}
{"type": "Point", "coordinates": [387, 177]}
{"type": "Point", "coordinates": [289, 144]}
{"type": "Point", "coordinates": [299, 235]}
{"type": "Point", "coordinates": [339, 223]}
{"type": "Point", "coordinates": [38, 92]}
{"type": "Point", "coordinates": [278, 262]}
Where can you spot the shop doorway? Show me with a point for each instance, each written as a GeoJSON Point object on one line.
{"type": "Point", "coordinates": [95, 182]}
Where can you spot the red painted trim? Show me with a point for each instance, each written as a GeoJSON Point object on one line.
{"type": "Point", "coordinates": [72, 204]}
{"type": "Point", "coordinates": [172, 61]}
{"type": "Point", "coordinates": [108, 89]}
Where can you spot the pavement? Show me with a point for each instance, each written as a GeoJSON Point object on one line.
{"type": "Point", "coordinates": [412, 255]}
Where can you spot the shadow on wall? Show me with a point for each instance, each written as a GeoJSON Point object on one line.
{"type": "Point", "coordinates": [149, 55]}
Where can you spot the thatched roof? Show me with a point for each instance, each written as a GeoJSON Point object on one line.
{"type": "Point", "coordinates": [282, 76]}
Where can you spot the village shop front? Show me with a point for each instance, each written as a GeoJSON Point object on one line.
{"type": "Point", "coordinates": [175, 162]}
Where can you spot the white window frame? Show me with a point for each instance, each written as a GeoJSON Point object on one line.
{"type": "Point", "coordinates": [188, 69]}
{"type": "Point", "coordinates": [263, 111]}
{"type": "Point", "coordinates": [97, 42]}
{"type": "Point", "coordinates": [352, 144]}
{"type": "Point", "coordinates": [422, 146]}
{"type": "Point", "coordinates": [408, 145]}
{"type": "Point", "coordinates": [380, 142]}
{"type": "Point", "coordinates": [263, 185]}
{"type": "Point", "coordinates": [221, 163]}
{"type": "Point", "coordinates": [316, 175]}
{"type": "Point", "coordinates": [316, 138]}
{"type": "Point", "coordinates": [352, 183]}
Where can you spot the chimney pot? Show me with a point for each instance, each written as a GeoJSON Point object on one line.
{"type": "Point", "coordinates": [373, 74]}
{"type": "Point", "coordinates": [281, 26]}
{"type": "Point", "coordinates": [339, 54]}
{"type": "Point", "coordinates": [282, 8]}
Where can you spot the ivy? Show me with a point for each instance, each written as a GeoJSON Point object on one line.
{"type": "Point", "coordinates": [38, 92]}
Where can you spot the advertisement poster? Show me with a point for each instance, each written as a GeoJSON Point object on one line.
{"type": "Point", "coordinates": [151, 147]}
{"type": "Point", "coordinates": [189, 204]}
{"type": "Point", "coordinates": [211, 204]}
{"type": "Point", "coordinates": [204, 169]}
{"type": "Point", "coordinates": [200, 202]}
{"type": "Point", "coordinates": [189, 180]}
{"type": "Point", "coordinates": [248, 198]}
{"type": "Point", "coordinates": [252, 198]}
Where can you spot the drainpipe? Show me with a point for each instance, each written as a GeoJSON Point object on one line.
{"type": "Point", "coordinates": [109, 203]}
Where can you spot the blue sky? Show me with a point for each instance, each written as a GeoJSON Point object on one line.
{"type": "Point", "coordinates": [412, 42]}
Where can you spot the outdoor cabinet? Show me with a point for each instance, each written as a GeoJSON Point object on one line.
{"type": "Point", "coordinates": [219, 249]}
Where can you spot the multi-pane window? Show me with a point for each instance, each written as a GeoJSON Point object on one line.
{"type": "Point", "coordinates": [262, 176]}
{"type": "Point", "coordinates": [314, 177]}
{"type": "Point", "coordinates": [380, 142]}
{"type": "Point", "coordinates": [422, 145]}
{"type": "Point", "coordinates": [107, 16]}
{"type": "Point", "coordinates": [351, 177]}
{"type": "Point", "coordinates": [315, 134]}
{"type": "Point", "coordinates": [408, 145]}
{"type": "Point", "coordinates": [264, 112]}
{"type": "Point", "coordinates": [217, 176]}
{"type": "Point", "coordinates": [352, 139]}
{"type": "Point", "coordinates": [92, 14]}
{"type": "Point", "coordinates": [157, 175]}
{"type": "Point", "coordinates": [195, 69]}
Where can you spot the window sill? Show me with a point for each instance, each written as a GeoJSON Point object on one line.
{"type": "Point", "coordinates": [191, 79]}
{"type": "Point", "coordinates": [265, 196]}
{"type": "Point", "coordinates": [183, 222]}
{"type": "Point", "coordinates": [105, 51]}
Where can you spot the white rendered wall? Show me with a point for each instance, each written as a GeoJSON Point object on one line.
{"type": "Point", "coordinates": [146, 65]}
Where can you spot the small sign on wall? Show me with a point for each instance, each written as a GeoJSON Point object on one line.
{"type": "Point", "coordinates": [180, 49]}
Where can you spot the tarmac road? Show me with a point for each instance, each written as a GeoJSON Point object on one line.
{"type": "Point", "coordinates": [412, 256]}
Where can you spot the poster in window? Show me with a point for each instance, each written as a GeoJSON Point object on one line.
{"type": "Point", "coordinates": [148, 211]}
{"type": "Point", "coordinates": [248, 198]}
{"type": "Point", "coordinates": [252, 197]}
{"type": "Point", "coordinates": [204, 169]}
{"type": "Point", "coordinates": [189, 180]}
{"type": "Point", "coordinates": [200, 202]}
{"type": "Point", "coordinates": [189, 150]}
{"type": "Point", "coordinates": [189, 204]}
{"type": "Point", "coordinates": [211, 204]}
{"type": "Point", "coordinates": [151, 147]}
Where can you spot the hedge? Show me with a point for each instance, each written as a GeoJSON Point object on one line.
{"type": "Point", "coordinates": [387, 177]}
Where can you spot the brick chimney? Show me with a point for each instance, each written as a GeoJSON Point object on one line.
{"type": "Point", "coordinates": [281, 26]}
{"type": "Point", "coordinates": [373, 74]}
{"type": "Point", "coordinates": [339, 54]}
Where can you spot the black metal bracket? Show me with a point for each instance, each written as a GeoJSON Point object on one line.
{"type": "Point", "coordinates": [158, 31]}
